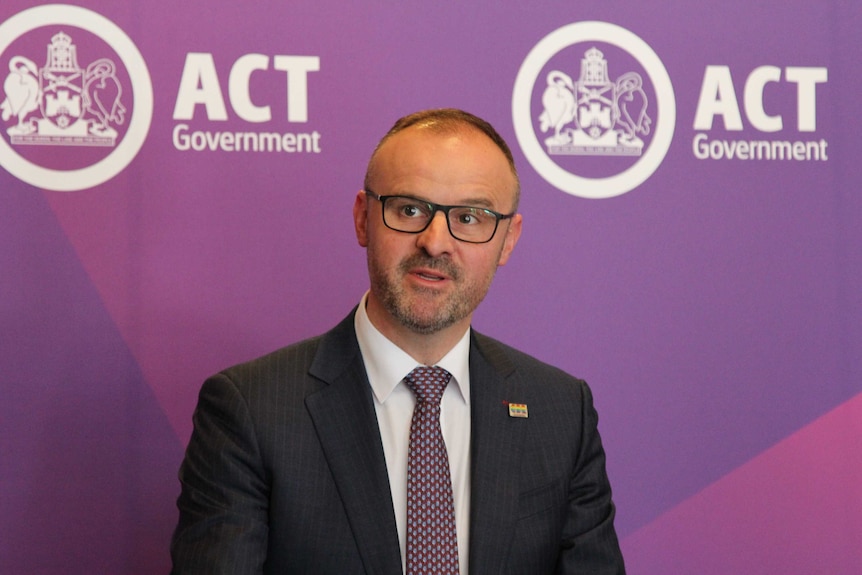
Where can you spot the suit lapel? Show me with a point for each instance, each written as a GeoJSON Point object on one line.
{"type": "Point", "coordinates": [496, 455]}
{"type": "Point", "coordinates": [346, 425]}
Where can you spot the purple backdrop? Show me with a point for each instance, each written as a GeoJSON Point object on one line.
{"type": "Point", "coordinates": [715, 309]}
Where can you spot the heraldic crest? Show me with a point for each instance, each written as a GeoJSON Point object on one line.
{"type": "Point", "coordinates": [61, 103]}
{"type": "Point", "coordinates": [594, 116]}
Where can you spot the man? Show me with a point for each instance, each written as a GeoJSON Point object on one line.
{"type": "Point", "coordinates": [303, 461]}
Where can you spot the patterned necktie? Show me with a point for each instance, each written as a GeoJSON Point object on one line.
{"type": "Point", "coordinates": [432, 547]}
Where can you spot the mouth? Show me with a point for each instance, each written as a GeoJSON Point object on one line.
{"type": "Point", "coordinates": [430, 272]}
{"type": "Point", "coordinates": [428, 275]}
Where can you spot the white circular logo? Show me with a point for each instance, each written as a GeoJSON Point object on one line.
{"type": "Point", "coordinates": [565, 125]}
{"type": "Point", "coordinates": [76, 109]}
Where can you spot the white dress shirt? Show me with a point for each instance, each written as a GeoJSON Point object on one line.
{"type": "Point", "coordinates": [387, 365]}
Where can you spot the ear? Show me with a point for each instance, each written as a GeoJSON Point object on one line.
{"type": "Point", "coordinates": [513, 232]}
{"type": "Point", "coordinates": [360, 218]}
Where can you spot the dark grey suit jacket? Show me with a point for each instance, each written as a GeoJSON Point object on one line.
{"type": "Point", "coordinates": [285, 471]}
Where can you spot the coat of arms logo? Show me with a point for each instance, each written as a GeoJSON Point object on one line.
{"type": "Point", "coordinates": [593, 115]}
{"type": "Point", "coordinates": [96, 116]}
{"type": "Point", "coordinates": [62, 103]}
{"type": "Point", "coordinates": [585, 133]}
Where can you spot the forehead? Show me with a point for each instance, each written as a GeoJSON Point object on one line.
{"type": "Point", "coordinates": [432, 162]}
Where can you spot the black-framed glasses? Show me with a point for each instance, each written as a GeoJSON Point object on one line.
{"type": "Point", "coordinates": [412, 216]}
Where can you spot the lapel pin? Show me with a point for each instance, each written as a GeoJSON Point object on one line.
{"type": "Point", "coordinates": [518, 410]}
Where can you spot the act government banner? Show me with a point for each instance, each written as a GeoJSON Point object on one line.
{"type": "Point", "coordinates": [176, 185]}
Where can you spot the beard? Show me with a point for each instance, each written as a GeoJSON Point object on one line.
{"type": "Point", "coordinates": [426, 310]}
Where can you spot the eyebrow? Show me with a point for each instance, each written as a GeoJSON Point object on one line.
{"type": "Point", "coordinates": [470, 202]}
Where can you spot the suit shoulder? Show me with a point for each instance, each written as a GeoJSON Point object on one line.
{"type": "Point", "coordinates": [507, 358]}
{"type": "Point", "coordinates": [302, 365]}
{"type": "Point", "coordinates": [300, 352]}
{"type": "Point", "coordinates": [289, 363]}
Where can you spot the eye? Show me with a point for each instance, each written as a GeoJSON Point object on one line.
{"type": "Point", "coordinates": [408, 208]}
{"type": "Point", "coordinates": [467, 218]}
{"type": "Point", "coordinates": [472, 216]}
{"type": "Point", "coordinates": [410, 211]}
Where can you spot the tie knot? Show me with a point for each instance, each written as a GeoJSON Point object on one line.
{"type": "Point", "coordinates": [428, 383]}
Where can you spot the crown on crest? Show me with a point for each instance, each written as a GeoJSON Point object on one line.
{"type": "Point", "coordinates": [594, 68]}
{"type": "Point", "coordinates": [61, 53]}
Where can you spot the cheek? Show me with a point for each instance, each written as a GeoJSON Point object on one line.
{"type": "Point", "coordinates": [385, 249]}
{"type": "Point", "coordinates": [482, 267]}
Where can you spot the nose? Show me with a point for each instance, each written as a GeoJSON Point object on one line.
{"type": "Point", "coordinates": [436, 239]}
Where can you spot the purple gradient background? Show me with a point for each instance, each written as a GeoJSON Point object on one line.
{"type": "Point", "coordinates": [716, 310]}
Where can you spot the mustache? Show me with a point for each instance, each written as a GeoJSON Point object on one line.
{"type": "Point", "coordinates": [443, 265]}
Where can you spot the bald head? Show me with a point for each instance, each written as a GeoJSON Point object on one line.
{"type": "Point", "coordinates": [446, 121]}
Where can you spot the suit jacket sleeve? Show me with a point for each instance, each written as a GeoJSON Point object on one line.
{"type": "Point", "coordinates": [589, 543]}
{"type": "Point", "coordinates": [223, 503]}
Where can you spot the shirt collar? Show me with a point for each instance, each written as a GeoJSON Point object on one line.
{"type": "Point", "coordinates": [387, 364]}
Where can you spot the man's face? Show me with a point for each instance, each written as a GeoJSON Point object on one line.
{"type": "Point", "coordinates": [430, 281]}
